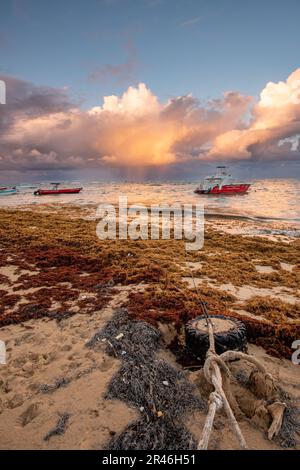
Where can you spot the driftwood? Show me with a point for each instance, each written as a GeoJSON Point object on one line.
{"type": "Point", "coordinates": [276, 410]}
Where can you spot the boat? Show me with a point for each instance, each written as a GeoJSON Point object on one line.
{"type": "Point", "coordinates": [5, 191]}
{"type": "Point", "coordinates": [221, 184]}
{"type": "Point", "coordinates": [56, 190]}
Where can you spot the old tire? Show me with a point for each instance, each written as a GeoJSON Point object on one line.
{"type": "Point", "coordinates": [230, 334]}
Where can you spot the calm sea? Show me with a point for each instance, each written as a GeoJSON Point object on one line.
{"type": "Point", "coordinates": [269, 199]}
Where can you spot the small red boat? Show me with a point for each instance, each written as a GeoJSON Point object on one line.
{"type": "Point", "coordinates": [56, 190]}
{"type": "Point", "coordinates": [221, 183]}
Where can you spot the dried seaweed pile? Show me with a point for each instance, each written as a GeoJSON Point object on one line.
{"type": "Point", "coordinates": [175, 303]}
{"type": "Point", "coordinates": [65, 381]}
{"type": "Point", "coordinates": [273, 309]}
{"type": "Point", "coordinates": [290, 430]}
{"type": "Point", "coordinates": [276, 339]}
{"type": "Point", "coordinates": [69, 269]}
{"type": "Point", "coordinates": [33, 311]}
{"type": "Point", "coordinates": [62, 257]}
{"type": "Point", "coordinates": [160, 392]}
{"type": "Point", "coordinates": [59, 428]}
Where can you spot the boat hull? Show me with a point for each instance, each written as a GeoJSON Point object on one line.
{"type": "Point", "coordinates": [47, 192]}
{"type": "Point", "coordinates": [227, 189]}
{"type": "Point", "coordinates": [5, 192]}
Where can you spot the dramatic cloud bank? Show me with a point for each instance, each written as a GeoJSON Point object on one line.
{"type": "Point", "coordinates": [42, 130]}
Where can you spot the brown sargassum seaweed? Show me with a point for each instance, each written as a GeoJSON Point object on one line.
{"type": "Point", "coordinates": [63, 257]}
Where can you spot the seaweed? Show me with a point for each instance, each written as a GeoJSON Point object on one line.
{"type": "Point", "coordinates": [176, 303]}
{"type": "Point", "coordinates": [152, 435]}
{"type": "Point", "coordinates": [160, 392]}
{"type": "Point", "coordinates": [290, 430]}
{"type": "Point", "coordinates": [59, 383]}
{"type": "Point", "coordinates": [276, 339]}
{"type": "Point", "coordinates": [273, 309]}
{"type": "Point", "coordinates": [60, 427]}
{"type": "Point", "coordinates": [66, 258]}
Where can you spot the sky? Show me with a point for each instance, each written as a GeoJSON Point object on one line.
{"type": "Point", "coordinates": [150, 88]}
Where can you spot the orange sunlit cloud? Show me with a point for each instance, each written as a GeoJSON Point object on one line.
{"type": "Point", "coordinates": [137, 130]}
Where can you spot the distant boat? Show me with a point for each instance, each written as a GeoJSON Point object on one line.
{"type": "Point", "coordinates": [56, 190]}
{"type": "Point", "coordinates": [5, 191]}
{"type": "Point", "coordinates": [221, 183]}
{"type": "Point", "coordinates": [27, 186]}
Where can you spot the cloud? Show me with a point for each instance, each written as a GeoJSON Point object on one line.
{"type": "Point", "coordinates": [275, 117]}
{"type": "Point", "coordinates": [41, 129]}
{"type": "Point", "coordinates": [25, 99]}
{"type": "Point", "coordinates": [121, 73]}
{"type": "Point", "coordinates": [192, 21]}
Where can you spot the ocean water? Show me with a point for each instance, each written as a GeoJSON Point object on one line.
{"type": "Point", "coordinates": [267, 199]}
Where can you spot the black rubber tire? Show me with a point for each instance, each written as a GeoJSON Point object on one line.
{"type": "Point", "coordinates": [197, 342]}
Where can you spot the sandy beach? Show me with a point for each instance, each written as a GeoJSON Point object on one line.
{"type": "Point", "coordinates": [73, 308]}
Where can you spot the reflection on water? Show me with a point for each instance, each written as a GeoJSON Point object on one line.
{"type": "Point", "coordinates": [275, 199]}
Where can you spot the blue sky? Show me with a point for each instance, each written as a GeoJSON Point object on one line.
{"type": "Point", "coordinates": [172, 64]}
{"type": "Point", "coordinates": [174, 46]}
